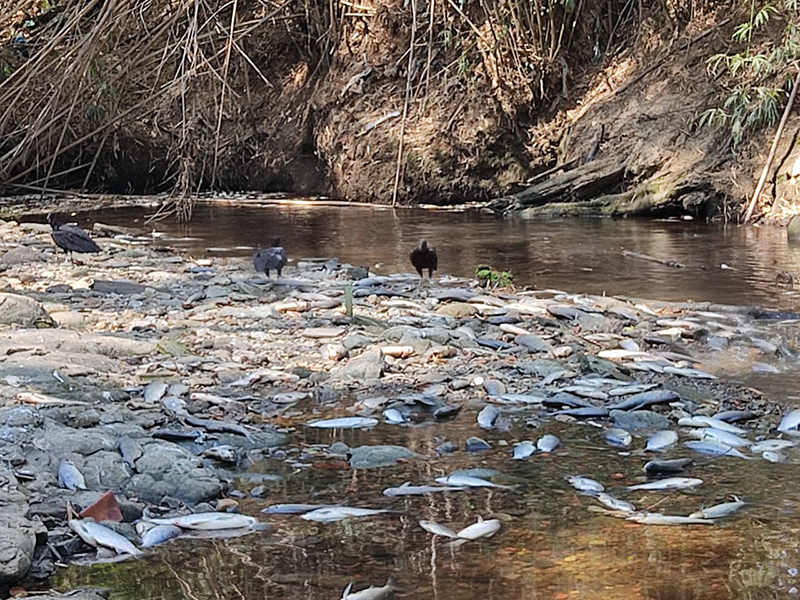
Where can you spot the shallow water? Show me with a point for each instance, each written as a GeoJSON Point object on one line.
{"type": "Point", "coordinates": [551, 545]}
{"type": "Point", "coordinates": [579, 255]}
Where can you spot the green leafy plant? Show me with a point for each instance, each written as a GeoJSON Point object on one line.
{"type": "Point", "coordinates": [492, 278]}
{"type": "Point", "coordinates": [758, 80]}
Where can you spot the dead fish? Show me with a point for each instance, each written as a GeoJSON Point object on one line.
{"type": "Point", "coordinates": [734, 415]}
{"type": "Point", "coordinates": [661, 440]}
{"type": "Point", "coordinates": [688, 372]}
{"type": "Point", "coordinates": [469, 481]}
{"type": "Point", "coordinates": [627, 390]}
{"type": "Point", "coordinates": [174, 405]}
{"type": "Point", "coordinates": [615, 503]}
{"type": "Point", "coordinates": [339, 513]}
{"type": "Point", "coordinates": [713, 448]}
{"type": "Point", "coordinates": [488, 417]}
{"type": "Point", "coordinates": [481, 529]}
{"type": "Point", "coordinates": [131, 451]}
{"type": "Point", "coordinates": [393, 416]}
{"type": "Point", "coordinates": [523, 450]}
{"type": "Point", "coordinates": [344, 423]}
{"type": "Point", "coordinates": [95, 534]}
{"type": "Point", "coordinates": [644, 399]}
{"type": "Point", "coordinates": [520, 399]}
{"type": "Point", "coordinates": [69, 476]}
{"type": "Point", "coordinates": [437, 529]}
{"type": "Point", "coordinates": [371, 593]}
{"type": "Point", "coordinates": [659, 519]}
{"type": "Point", "coordinates": [723, 437]}
{"type": "Point", "coordinates": [584, 484]}
{"type": "Point", "coordinates": [210, 521]}
{"type": "Point", "coordinates": [418, 490]}
{"type": "Point", "coordinates": [293, 509]}
{"type": "Point", "coordinates": [790, 420]}
{"type": "Point", "coordinates": [547, 443]}
{"type": "Point", "coordinates": [222, 453]}
{"type": "Point", "coordinates": [719, 424]}
{"type": "Point", "coordinates": [673, 465]}
{"type": "Point", "coordinates": [668, 484]}
{"type": "Point", "coordinates": [773, 456]}
{"type": "Point", "coordinates": [159, 534]}
{"type": "Point", "coordinates": [585, 392]}
{"type": "Point", "coordinates": [718, 511]}
{"type": "Point", "coordinates": [617, 437]}
{"type": "Point", "coordinates": [584, 412]}
{"type": "Point", "coordinates": [154, 391]}
{"type": "Point", "coordinates": [620, 354]}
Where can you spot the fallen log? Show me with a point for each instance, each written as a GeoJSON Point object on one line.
{"type": "Point", "coordinates": [668, 263]}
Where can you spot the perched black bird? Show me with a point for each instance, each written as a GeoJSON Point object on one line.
{"type": "Point", "coordinates": [272, 258]}
{"type": "Point", "coordinates": [71, 238]}
{"type": "Point", "coordinates": [423, 257]}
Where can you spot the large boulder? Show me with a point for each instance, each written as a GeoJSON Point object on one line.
{"type": "Point", "coordinates": [371, 457]}
{"type": "Point", "coordinates": [21, 310]}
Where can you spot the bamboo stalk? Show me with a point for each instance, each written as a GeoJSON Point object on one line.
{"type": "Point", "coordinates": [405, 103]}
{"type": "Point", "coordinates": [763, 179]}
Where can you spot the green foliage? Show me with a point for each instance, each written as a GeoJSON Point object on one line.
{"type": "Point", "coordinates": [489, 277]}
{"type": "Point", "coordinates": [757, 83]}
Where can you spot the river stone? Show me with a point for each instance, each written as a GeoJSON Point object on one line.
{"type": "Point", "coordinates": [104, 471]}
{"type": "Point", "coordinates": [166, 469]}
{"type": "Point", "coordinates": [17, 543]}
{"type": "Point", "coordinates": [121, 287]}
{"type": "Point", "coordinates": [437, 335]}
{"type": "Point", "coordinates": [20, 416]}
{"type": "Point", "coordinates": [63, 441]}
{"type": "Point", "coordinates": [370, 457]}
{"type": "Point", "coordinates": [639, 419]}
{"type": "Point", "coordinates": [362, 368]}
{"type": "Point", "coordinates": [459, 310]}
{"type": "Point", "coordinates": [323, 332]}
{"type": "Point", "coordinates": [263, 311]}
{"type": "Point", "coordinates": [533, 342]}
{"type": "Point", "coordinates": [541, 368]}
{"type": "Point", "coordinates": [21, 256]}
{"type": "Point", "coordinates": [21, 310]}
{"type": "Point", "coordinates": [793, 230]}
{"type": "Point", "coordinates": [476, 444]}
{"type": "Point", "coordinates": [356, 340]}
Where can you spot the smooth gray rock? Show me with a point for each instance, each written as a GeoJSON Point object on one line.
{"type": "Point", "coordinates": [21, 255]}
{"type": "Point", "coordinates": [63, 441]}
{"type": "Point", "coordinates": [121, 287]}
{"type": "Point", "coordinates": [17, 543]}
{"type": "Point", "coordinates": [21, 310]}
{"type": "Point", "coordinates": [639, 419]}
{"type": "Point", "coordinates": [370, 457]}
{"type": "Point", "coordinates": [356, 340]}
{"type": "Point", "coordinates": [104, 471]}
{"type": "Point", "coordinates": [20, 416]}
{"type": "Point", "coordinates": [533, 342]}
{"type": "Point", "coordinates": [363, 368]}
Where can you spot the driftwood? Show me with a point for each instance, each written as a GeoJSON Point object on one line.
{"type": "Point", "coordinates": [669, 263]}
{"type": "Point", "coordinates": [583, 182]}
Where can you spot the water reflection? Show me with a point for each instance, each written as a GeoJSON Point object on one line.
{"type": "Point", "coordinates": [575, 255]}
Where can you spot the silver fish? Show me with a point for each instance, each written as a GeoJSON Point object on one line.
{"type": "Point", "coordinates": [688, 372]}
{"type": "Point", "coordinates": [723, 437]}
{"type": "Point", "coordinates": [773, 456]}
{"type": "Point", "coordinates": [95, 534]}
{"type": "Point", "coordinates": [480, 529]}
{"type": "Point", "coordinates": [718, 511]}
{"type": "Point", "coordinates": [719, 424]}
{"type": "Point", "coordinates": [617, 437]}
{"type": "Point", "coordinates": [661, 440]}
{"type": "Point", "coordinates": [488, 417]}
{"type": "Point", "coordinates": [523, 450]}
{"type": "Point", "coordinates": [520, 399]}
{"type": "Point", "coordinates": [338, 513]}
{"type": "Point", "coordinates": [224, 453]}
{"type": "Point", "coordinates": [210, 521]}
{"type": "Point", "coordinates": [154, 391]}
{"type": "Point", "coordinates": [584, 484]}
{"type": "Point", "coordinates": [293, 509]}
{"type": "Point", "coordinates": [615, 503]}
{"type": "Point", "coordinates": [418, 490]}
{"type": "Point", "coordinates": [159, 534]}
{"type": "Point", "coordinates": [790, 420]}
{"type": "Point", "coordinates": [713, 448]}
{"type": "Point", "coordinates": [437, 529]}
{"type": "Point", "coordinates": [547, 443]}
{"type": "Point", "coordinates": [371, 593]}
{"type": "Point", "coordinates": [344, 423]}
{"type": "Point", "coordinates": [468, 481]}
{"type": "Point", "coordinates": [131, 451]}
{"type": "Point", "coordinates": [772, 445]}
{"type": "Point", "coordinates": [175, 405]}
{"type": "Point", "coordinates": [668, 484]}
{"type": "Point", "coordinates": [659, 519]}
{"type": "Point", "coordinates": [69, 476]}
{"type": "Point", "coordinates": [626, 390]}
{"type": "Point", "coordinates": [393, 416]}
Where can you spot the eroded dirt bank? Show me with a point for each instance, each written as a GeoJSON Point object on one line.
{"type": "Point", "coordinates": [318, 99]}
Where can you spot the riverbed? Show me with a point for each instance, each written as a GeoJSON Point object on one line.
{"type": "Point", "coordinates": [553, 542]}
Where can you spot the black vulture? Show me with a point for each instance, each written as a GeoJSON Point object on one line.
{"type": "Point", "coordinates": [423, 257]}
{"type": "Point", "coordinates": [272, 258]}
{"type": "Point", "coordinates": [71, 238]}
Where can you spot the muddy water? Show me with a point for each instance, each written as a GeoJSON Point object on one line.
{"type": "Point", "coordinates": [552, 546]}
{"type": "Point", "coordinates": [730, 265]}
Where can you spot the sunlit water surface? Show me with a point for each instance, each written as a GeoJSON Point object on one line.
{"type": "Point", "coordinates": [551, 545]}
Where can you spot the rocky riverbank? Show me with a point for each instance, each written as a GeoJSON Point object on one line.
{"type": "Point", "coordinates": [162, 376]}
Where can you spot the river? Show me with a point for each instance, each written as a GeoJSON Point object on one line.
{"type": "Point", "coordinates": [551, 546]}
